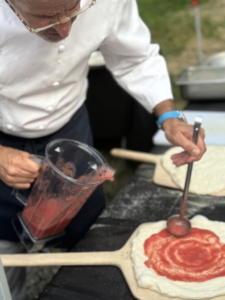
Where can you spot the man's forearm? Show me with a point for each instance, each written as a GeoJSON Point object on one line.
{"type": "Point", "coordinates": [163, 107]}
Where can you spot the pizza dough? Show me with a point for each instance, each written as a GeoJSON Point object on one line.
{"type": "Point", "coordinates": [148, 278]}
{"type": "Point", "coordinates": [208, 174]}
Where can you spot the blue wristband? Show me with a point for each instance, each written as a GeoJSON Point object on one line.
{"type": "Point", "coordinates": [169, 115]}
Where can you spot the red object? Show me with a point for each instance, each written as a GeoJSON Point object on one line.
{"type": "Point", "coordinates": [195, 2]}
{"type": "Point", "coordinates": [49, 218]}
{"type": "Point", "coordinates": [46, 216]}
{"type": "Point", "coordinates": [197, 257]}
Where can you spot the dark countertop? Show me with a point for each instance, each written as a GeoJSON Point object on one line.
{"type": "Point", "coordinates": [139, 201]}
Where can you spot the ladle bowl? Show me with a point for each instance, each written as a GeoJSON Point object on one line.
{"type": "Point", "coordinates": [178, 226]}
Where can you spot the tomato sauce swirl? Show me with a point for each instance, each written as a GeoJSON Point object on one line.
{"type": "Point", "coordinates": [196, 257]}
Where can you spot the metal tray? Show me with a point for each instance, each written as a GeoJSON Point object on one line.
{"type": "Point", "coordinates": [202, 83]}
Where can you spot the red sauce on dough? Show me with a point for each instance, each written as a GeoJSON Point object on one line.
{"type": "Point", "coordinates": [196, 257]}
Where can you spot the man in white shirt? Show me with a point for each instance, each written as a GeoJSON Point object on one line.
{"type": "Point", "coordinates": [43, 85]}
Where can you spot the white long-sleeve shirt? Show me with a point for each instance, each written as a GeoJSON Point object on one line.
{"type": "Point", "coordinates": [43, 84]}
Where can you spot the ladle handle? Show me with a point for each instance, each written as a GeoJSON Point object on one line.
{"type": "Point", "coordinates": [197, 126]}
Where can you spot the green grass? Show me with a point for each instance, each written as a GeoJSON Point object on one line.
{"type": "Point", "coordinates": [172, 24]}
{"type": "Point", "coordinates": [179, 101]}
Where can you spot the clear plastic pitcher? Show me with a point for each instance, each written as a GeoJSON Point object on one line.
{"type": "Point", "coordinates": [69, 174]}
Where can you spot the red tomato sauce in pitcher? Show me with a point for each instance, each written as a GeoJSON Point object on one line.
{"type": "Point", "coordinates": [51, 216]}
{"type": "Point", "coordinates": [47, 216]}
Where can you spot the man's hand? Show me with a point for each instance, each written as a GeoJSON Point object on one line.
{"type": "Point", "coordinates": [180, 134]}
{"type": "Point", "coordinates": [16, 169]}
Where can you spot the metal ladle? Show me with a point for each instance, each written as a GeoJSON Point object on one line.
{"type": "Point", "coordinates": [179, 225]}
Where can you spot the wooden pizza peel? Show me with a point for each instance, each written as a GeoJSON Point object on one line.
{"type": "Point", "coordinates": [120, 258]}
{"type": "Point", "coordinates": [161, 176]}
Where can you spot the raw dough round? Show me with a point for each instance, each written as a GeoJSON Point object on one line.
{"type": "Point", "coordinates": [148, 278]}
{"type": "Point", "coordinates": [208, 174]}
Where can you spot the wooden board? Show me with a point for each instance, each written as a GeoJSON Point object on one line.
{"type": "Point", "coordinates": [120, 258]}
{"type": "Point", "coordinates": [161, 176]}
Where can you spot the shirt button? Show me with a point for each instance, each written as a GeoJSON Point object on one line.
{"type": "Point", "coordinates": [61, 48]}
{"type": "Point", "coordinates": [56, 83]}
{"type": "Point", "coordinates": [9, 126]}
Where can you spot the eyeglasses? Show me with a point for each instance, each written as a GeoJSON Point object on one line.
{"type": "Point", "coordinates": [54, 23]}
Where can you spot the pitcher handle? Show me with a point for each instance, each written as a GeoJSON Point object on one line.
{"type": "Point", "coordinates": [15, 192]}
